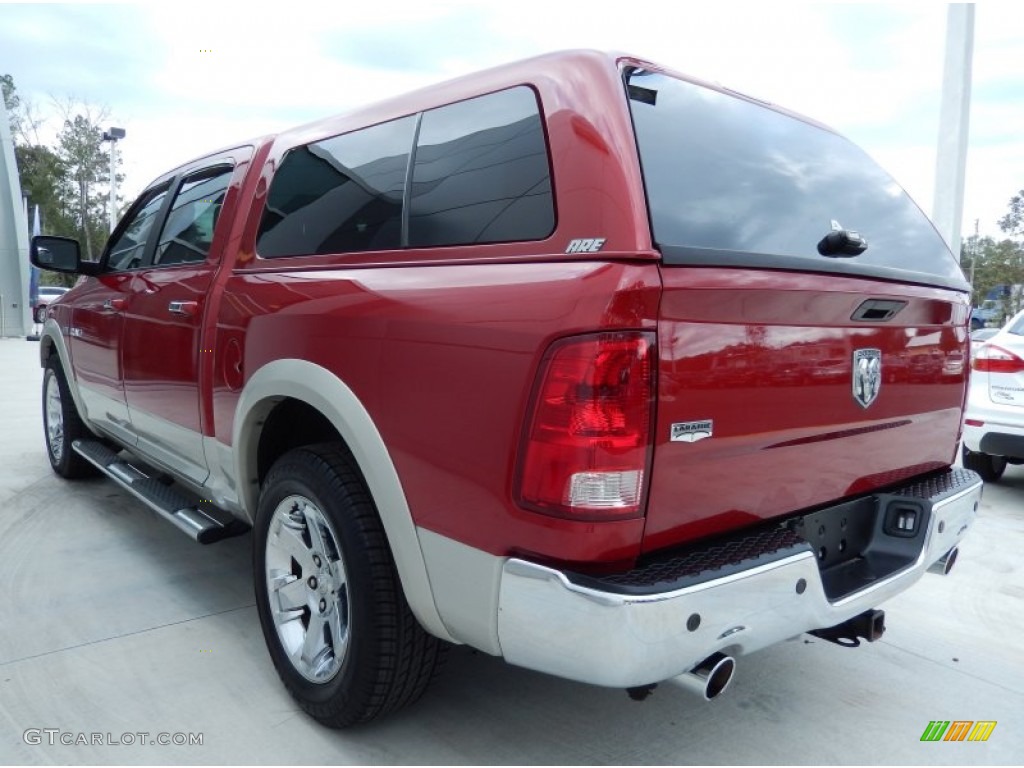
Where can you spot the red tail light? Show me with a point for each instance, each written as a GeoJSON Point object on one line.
{"type": "Point", "coordinates": [993, 359]}
{"type": "Point", "coordinates": [586, 451]}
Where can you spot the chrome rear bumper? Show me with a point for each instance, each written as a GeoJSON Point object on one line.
{"type": "Point", "coordinates": [550, 622]}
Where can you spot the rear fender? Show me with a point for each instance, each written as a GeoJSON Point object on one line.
{"type": "Point", "coordinates": [319, 388]}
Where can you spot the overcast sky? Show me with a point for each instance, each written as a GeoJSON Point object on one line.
{"type": "Point", "coordinates": [183, 79]}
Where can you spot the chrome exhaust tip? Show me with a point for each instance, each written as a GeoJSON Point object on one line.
{"type": "Point", "coordinates": [711, 677]}
{"type": "Point", "coordinates": [944, 564]}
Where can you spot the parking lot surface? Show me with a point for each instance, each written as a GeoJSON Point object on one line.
{"type": "Point", "coordinates": [114, 625]}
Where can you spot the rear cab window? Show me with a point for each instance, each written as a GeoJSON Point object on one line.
{"type": "Point", "coordinates": [731, 182]}
{"type": "Point", "coordinates": [188, 232]}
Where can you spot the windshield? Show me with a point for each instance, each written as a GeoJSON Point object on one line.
{"type": "Point", "coordinates": [732, 182]}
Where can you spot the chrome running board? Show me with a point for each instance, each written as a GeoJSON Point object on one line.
{"type": "Point", "coordinates": [199, 520]}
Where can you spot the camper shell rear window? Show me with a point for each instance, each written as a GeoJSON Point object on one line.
{"type": "Point", "coordinates": [732, 182]}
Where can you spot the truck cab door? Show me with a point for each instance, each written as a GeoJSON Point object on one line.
{"type": "Point", "coordinates": [163, 350]}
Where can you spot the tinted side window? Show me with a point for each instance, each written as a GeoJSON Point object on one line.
{"type": "Point", "coordinates": [127, 251]}
{"type": "Point", "coordinates": [338, 195]}
{"type": "Point", "coordinates": [188, 232]}
{"type": "Point", "coordinates": [481, 173]}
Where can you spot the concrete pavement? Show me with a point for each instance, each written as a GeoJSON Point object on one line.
{"type": "Point", "coordinates": [114, 623]}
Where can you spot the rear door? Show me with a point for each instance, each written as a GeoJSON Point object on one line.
{"type": "Point", "coordinates": [163, 353]}
{"type": "Point", "coordinates": [796, 367]}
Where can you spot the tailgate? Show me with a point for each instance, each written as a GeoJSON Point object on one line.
{"type": "Point", "coordinates": [812, 331]}
{"type": "Point", "coordinates": [780, 391]}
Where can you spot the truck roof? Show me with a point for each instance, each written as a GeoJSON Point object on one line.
{"type": "Point", "coordinates": [563, 68]}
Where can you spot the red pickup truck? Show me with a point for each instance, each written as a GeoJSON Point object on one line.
{"type": "Point", "coordinates": [587, 364]}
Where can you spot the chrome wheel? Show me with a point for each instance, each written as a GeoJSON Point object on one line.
{"type": "Point", "coordinates": [54, 416]}
{"type": "Point", "coordinates": [331, 606]}
{"type": "Point", "coordinates": [307, 589]}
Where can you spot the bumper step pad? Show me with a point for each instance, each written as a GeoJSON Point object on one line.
{"type": "Point", "coordinates": [855, 542]}
{"type": "Point", "coordinates": [677, 569]}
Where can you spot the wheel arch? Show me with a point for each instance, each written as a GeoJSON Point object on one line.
{"type": "Point", "coordinates": [316, 388]}
{"type": "Point", "coordinates": [52, 342]}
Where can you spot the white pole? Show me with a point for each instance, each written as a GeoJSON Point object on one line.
{"type": "Point", "coordinates": [951, 157]}
{"type": "Point", "coordinates": [113, 184]}
{"type": "Point", "coordinates": [14, 266]}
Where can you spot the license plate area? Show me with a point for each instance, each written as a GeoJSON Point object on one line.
{"type": "Point", "coordinates": [863, 541]}
{"type": "Point", "coordinates": [839, 534]}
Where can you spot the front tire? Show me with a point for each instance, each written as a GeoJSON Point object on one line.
{"type": "Point", "coordinates": [990, 468]}
{"type": "Point", "coordinates": [62, 425]}
{"type": "Point", "coordinates": [337, 625]}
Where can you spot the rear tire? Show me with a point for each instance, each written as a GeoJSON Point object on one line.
{"type": "Point", "coordinates": [62, 425]}
{"type": "Point", "coordinates": [990, 468]}
{"type": "Point", "coordinates": [339, 631]}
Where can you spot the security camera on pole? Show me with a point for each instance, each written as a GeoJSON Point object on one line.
{"type": "Point", "coordinates": [112, 136]}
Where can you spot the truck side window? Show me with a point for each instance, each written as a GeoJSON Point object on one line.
{"type": "Point", "coordinates": [481, 173]}
{"type": "Point", "coordinates": [127, 251]}
{"type": "Point", "coordinates": [339, 195]}
{"type": "Point", "coordinates": [188, 232]}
